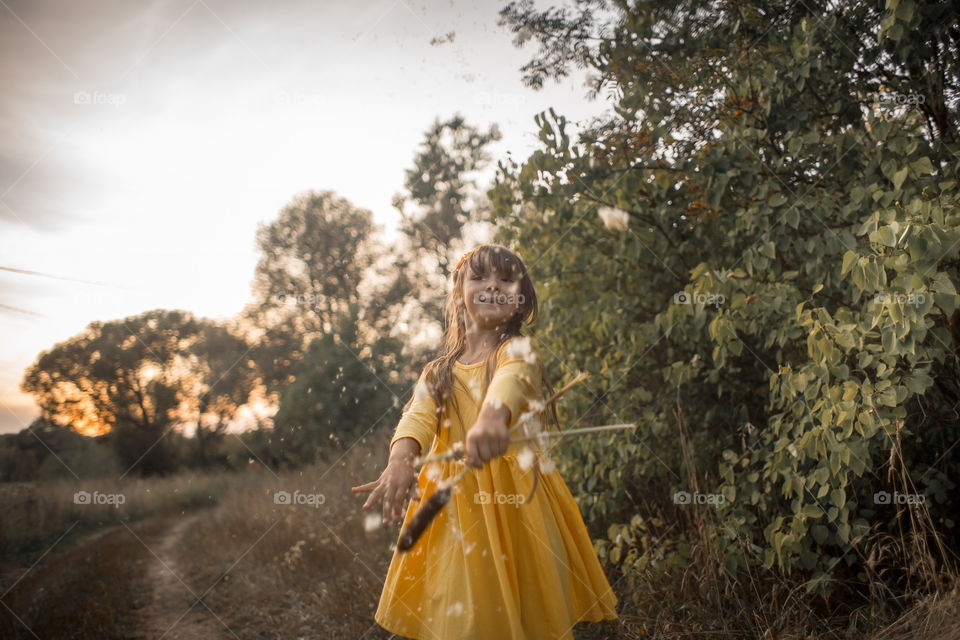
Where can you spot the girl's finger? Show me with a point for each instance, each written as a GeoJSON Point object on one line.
{"type": "Point", "coordinates": [484, 451]}
{"type": "Point", "coordinates": [473, 457]}
{"type": "Point", "coordinates": [389, 502]}
{"type": "Point", "coordinates": [373, 497]}
{"type": "Point", "coordinates": [398, 499]}
{"type": "Point", "coordinates": [403, 495]}
{"type": "Point", "coordinates": [370, 486]}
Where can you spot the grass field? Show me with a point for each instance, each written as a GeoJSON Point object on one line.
{"type": "Point", "coordinates": [216, 556]}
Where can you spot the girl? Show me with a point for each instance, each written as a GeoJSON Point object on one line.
{"type": "Point", "coordinates": [490, 565]}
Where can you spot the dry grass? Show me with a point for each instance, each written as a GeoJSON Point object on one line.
{"type": "Point", "coordinates": [273, 570]}
{"type": "Point", "coordinates": [83, 591]}
{"type": "Point", "coordinates": [37, 514]}
{"type": "Point", "coordinates": [291, 571]}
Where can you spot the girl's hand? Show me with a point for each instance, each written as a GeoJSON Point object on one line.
{"type": "Point", "coordinates": [489, 436]}
{"type": "Point", "coordinates": [396, 484]}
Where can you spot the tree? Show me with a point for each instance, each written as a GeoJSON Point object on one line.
{"type": "Point", "coordinates": [442, 188]}
{"type": "Point", "coordinates": [768, 221]}
{"type": "Point", "coordinates": [441, 204]}
{"type": "Point", "coordinates": [223, 378]}
{"type": "Point", "coordinates": [138, 378]}
{"type": "Point", "coordinates": [343, 389]}
{"type": "Point", "coordinates": [313, 258]}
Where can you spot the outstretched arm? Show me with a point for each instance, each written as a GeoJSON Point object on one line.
{"type": "Point", "coordinates": [414, 434]}
{"type": "Point", "coordinates": [397, 483]}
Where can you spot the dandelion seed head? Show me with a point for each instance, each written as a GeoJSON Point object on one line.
{"type": "Point", "coordinates": [372, 522]}
{"type": "Point", "coordinates": [613, 218]}
{"type": "Point", "coordinates": [474, 389]}
{"type": "Point", "coordinates": [529, 423]}
{"type": "Point", "coordinates": [420, 392]}
{"type": "Point", "coordinates": [525, 458]}
{"type": "Point", "coordinates": [521, 349]}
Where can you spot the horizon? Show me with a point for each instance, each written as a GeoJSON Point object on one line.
{"type": "Point", "coordinates": [119, 177]}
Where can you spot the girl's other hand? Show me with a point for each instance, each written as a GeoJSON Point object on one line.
{"type": "Point", "coordinates": [489, 436]}
{"type": "Point", "coordinates": [396, 483]}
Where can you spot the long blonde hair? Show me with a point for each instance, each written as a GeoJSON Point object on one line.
{"type": "Point", "coordinates": [438, 373]}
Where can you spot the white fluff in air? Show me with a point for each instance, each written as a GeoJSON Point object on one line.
{"type": "Point", "coordinates": [614, 218]}
{"type": "Point", "coordinates": [530, 424]}
{"type": "Point", "coordinates": [420, 392]}
{"type": "Point", "coordinates": [372, 522]}
{"type": "Point", "coordinates": [521, 349]}
{"type": "Point", "coordinates": [525, 458]}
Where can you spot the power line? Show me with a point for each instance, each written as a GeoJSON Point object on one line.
{"type": "Point", "coordinates": [7, 307]}
{"type": "Point", "coordinates": [47, 275]}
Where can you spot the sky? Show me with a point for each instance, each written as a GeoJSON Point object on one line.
{"type": "Point", "coordinates": [143, 142]}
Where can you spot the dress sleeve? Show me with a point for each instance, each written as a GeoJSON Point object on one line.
{"type": "Point", "coordinates": [419, 420]}
{"type": "Point", "coordinates": [516, 381]}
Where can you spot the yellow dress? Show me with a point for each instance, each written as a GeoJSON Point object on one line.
{"type": "Point", "coordinates": [490, 567]}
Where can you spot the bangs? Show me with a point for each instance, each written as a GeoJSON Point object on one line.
{"type": "Point", "coordinates": [499, 259]}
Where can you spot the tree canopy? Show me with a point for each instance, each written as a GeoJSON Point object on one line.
{"type": "Point", "coordinates": [756, 252]}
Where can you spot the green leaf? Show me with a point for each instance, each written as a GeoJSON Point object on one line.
{"type": "Point", "coordinates": [792, 217]}
{"type": "Point", "coordinates": [838, 497]}
{"type": "Point", "coordinates": [919, 382]}
{"type": "Point", "coordinates": [884, 235]}
{"type": "Point", "coordinates": [849, 259]}
{"type": "Point", "coordinates": [943, 284]}
{"type": "Point", "coordinates": [812, 511]}
{"type": "Point", "coordinates": [922, 167]}
{"type": "Point", "coordinates": [777, 199]}
{"type": "Point", "coordinates": [900, 176]}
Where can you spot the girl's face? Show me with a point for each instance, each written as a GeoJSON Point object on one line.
{"type": "Point", "coordinates": [490, 298]}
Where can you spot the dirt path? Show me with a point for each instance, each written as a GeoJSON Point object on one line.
{"type": "Point", "coordinates": [172, 611]}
